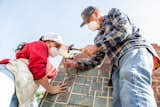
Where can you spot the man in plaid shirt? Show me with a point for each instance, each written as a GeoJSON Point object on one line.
{"type": "Point", "coordinates": [132, 57]}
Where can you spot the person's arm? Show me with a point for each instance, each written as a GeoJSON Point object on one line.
{"type": "Point", "coordinates": [85, 65]}
{"type": "Point", "coordinates": [91, 63]}
{"type": "Point", "coordinates": [51, 89]}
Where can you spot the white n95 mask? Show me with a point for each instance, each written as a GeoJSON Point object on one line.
{"type": "Point", "coordinates": [53, 52]}
{"type": "Point", "coordinates": [93, 25]}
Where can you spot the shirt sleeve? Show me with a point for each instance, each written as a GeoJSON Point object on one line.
{"type": "Point", "coordinates": [117, 28]}
{"type": "Point", "coordinates": [4, 61]}
{"type": "Point", "coordinates": [38, 60]}
{"type": "Point", "coordinates": [91, 63]}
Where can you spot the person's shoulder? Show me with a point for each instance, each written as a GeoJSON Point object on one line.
{"type": "Point", "coordinates": [114, 12]}
{"type": "Point", "coordinates": [37, 43]}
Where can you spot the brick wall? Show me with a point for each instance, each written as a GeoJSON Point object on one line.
{"type": "Point", "coordinates": [156, 78]}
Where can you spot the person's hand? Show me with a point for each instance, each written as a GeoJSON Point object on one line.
{"type": "Point", "coordinates": [71, 64]}
{"type": "Point", "coordinates": [52, 71]}
{"type": "Point", "coordinates": [89, 50]}
{"type": "Point", "coordinates": [60, 88]}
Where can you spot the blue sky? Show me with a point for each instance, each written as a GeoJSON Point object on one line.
{"type": "Point", "coordinates": [26, 20]}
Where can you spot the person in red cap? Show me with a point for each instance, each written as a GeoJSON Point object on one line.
{"type": "Point", "coordinates": [131, 56]}
{"type": "Point", "coordinates": [14, 74]}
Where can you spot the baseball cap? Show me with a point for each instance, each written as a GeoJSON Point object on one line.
{"type": "Point", "coordinates": [86, 13]}
{"type": "Point", "coordinates": [52, 37]}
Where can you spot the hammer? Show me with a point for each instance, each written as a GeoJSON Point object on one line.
{"type": "Point", "coordinates": [71, 47]}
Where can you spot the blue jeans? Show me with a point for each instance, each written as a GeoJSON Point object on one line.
{"type": "Point", "coordinates": [8, 76]}
{"type": "Point", "coordinates": [132, 80]}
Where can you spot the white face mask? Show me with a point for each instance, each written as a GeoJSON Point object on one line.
{"type": "Point", "coordinates": [53, 51]}
{"type": "Point", "coordinates": [93, 25]}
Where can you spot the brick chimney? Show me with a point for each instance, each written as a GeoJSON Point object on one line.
{"type": "Point", "coordinates": [156, 77]}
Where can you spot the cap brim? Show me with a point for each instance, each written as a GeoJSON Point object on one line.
{"type": "Point", "coordinates": [83, 23]}
{"type": "Point", "coordinates": [58, 42]}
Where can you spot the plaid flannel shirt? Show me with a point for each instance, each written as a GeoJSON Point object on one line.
{"type": "Point", "coordinates": [117, 35]}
